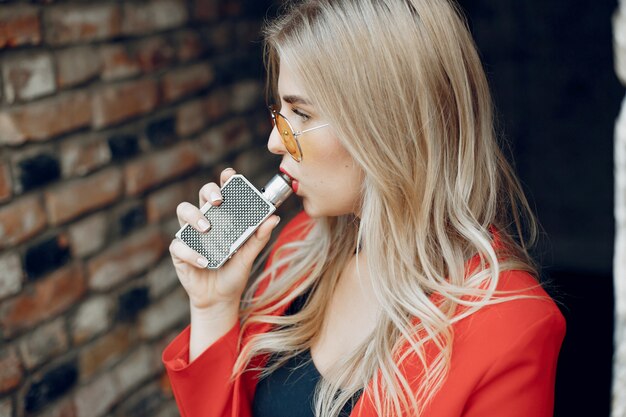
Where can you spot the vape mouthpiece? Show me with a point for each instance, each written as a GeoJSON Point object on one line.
{"type": "Point", "coordinates": [277, 189]}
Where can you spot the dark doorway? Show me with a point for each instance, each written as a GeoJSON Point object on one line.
{"type": "Point", "coordinates": [550, 65]}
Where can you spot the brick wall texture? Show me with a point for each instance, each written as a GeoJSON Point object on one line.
{"type": "Point", "coordinates": [111, 114]}
{"type": "Point", "coordinates": [619, 263]}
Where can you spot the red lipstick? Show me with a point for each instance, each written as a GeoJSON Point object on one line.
{"type": "Point", "coordinates": [294, 183]}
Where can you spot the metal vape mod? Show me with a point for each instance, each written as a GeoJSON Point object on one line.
{"type": "Point", "coordinates": [242, 211]}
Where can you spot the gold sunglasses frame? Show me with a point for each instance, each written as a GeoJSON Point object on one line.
{"type": "Point", "coordinates": [273, 112]}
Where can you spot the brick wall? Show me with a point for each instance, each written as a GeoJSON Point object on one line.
{"type": "Point", "coordinates": [619, 263]}
{"type": "Point", "coordinates": [111, 113]}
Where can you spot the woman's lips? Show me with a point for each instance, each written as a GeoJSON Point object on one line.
{"type": "Point", "coordinates": [294, 183]}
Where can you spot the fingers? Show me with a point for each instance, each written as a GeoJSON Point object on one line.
{"type": "Point", "coordinates": [212, 192]}
{"type": "Point", "coordinates": [226, 174]}
{"type": "Point", "coordinates": [180, 251]}
{"type": "Point", "coordinates": [246, 255]}
{"type": "Point", "coordinates": [258, 240]}
{"type": "Point", "coordinates": [188, 213]}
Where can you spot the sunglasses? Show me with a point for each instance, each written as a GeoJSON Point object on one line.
{"type": "Point", "coordinates": [288, 135]}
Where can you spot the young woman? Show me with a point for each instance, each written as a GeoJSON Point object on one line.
{"type": "Point", "coordinates": [405, 287]}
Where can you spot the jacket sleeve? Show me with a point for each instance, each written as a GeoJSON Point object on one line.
{"type": "Point", "coordinates": [203, 387]}
{"type": "Point", "coordinates": [520, 382]}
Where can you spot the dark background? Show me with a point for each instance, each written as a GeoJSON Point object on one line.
{"type": "Point", "coordinates": [550, 65]}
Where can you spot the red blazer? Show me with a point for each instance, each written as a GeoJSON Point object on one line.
{"type": "Point", "coordinates": [503, 361]}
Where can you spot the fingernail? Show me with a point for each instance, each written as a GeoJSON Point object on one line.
{"type": "Point", "coordinates": [215, 197]}
{"type": "Point", "coordinates": [204, 225]}
{"type": "Point", "coordinates": [202, 261]}
{"type": "Point", "coordinates": [277, 221]}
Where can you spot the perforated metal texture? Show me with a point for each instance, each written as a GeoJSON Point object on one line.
{"type": "Point", "coordinates": [241, 209]}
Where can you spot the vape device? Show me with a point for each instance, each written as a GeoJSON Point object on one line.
{"type": "Point", "coordinates": [242, 211]}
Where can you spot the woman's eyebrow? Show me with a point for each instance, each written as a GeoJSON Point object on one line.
{"type": "Point", "coordinates": [292, 99]}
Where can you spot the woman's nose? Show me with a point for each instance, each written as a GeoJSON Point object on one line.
{"type": "Point", "coordinates": [275, 144]}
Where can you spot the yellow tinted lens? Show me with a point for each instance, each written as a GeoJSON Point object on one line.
{"type": "Point", "coordinates": [286, 135]}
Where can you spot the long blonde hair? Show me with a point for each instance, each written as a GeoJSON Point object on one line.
{"type": "Point", "coordinates": [402, 85]}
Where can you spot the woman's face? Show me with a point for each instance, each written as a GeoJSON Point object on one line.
{"type": "Point", "coordinates": [327, 179]}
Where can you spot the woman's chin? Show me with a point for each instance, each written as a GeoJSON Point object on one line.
{"type": "Point", "coordinates": [312, 210]}
{"type": "Point", "coordinates": [316, 211]}
{"type": "Point", "coordinates": [309, 209]}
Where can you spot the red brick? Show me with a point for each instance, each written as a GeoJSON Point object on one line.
{"type": "Point", "coordinates": [189, 45]}
{"type": "Point", "coordinates": [236, 133]}
{"type": "Point", "coordinates": [12, 274]}
{"type": "Point", "coordinates": [20, 220]}
{"type": "Point", "coordinates": [196, 182]}
{"type": "Point", "coordinates": [77, 197]}
{"type": "Point", "coordinates": [6, 407]}
{"type": "Point", "coordinates": [217, 104]}
{"type": "Point", "coordinates": [145, 173]}
{"type": "Point", "coordinates": [96, 398]}
{"type": "Point", "coordinates": [190, 118]}
{"type": "Point", "coordinates": [10, 370]}
{"type": "Point", "coordinates": [92, 317]}
{"type": "Point", "coordinates": [46, 342]}
{"type": "Point", "coordinates": [34, 166]}
{"type": "Point", "coordinates": [142, 400]}
{"type": "Point", "coordinates": [153, 16]}
{"type": "Point", "coordinates": [231, 8]}
{"type": "Point", "coordinates": [81, 23]}
{"type": "Point", "coordinates": [105, 351]}
{"type": "Point", "coordinates": [47, 297]}
{"type": "Point", "coordinates": [126, 259]}
{"type": "Point", "coordinates": [19, 25]}
{"type": "Point", "coordinates": [5, 182]}
{"type": "Point", "coordinates": [253, 162]}
{"type": "Point", "coordinates": [262, 126]}
{"type": "Point", "coordinates": [171, 226]}
{"type": "Point", "coordinates": [116, 103]}
{"type": "Point", "coordinates": [162, 279]}
{"type": "Point", "coordinates": [164, 315]}
{"type": "Point", "coordinates": [27, 76]}
{"type": "Point", "coordinates": [154, 53]}
{"type": "Point", "coordinates": [83, 155]}
{"type": "Point", "coordinates": [88, 235]}
{"type": "Point", "coordinates": [219, 141]}
{"type": "Point", "coordinates": [62, 408]}
{"type": "Point", "coordinates": [212, 146]}
{"type": "Point", "coordinates": [221, 37]}
{"type": "Point", "coordinates": [77, 65]}
{"type": "Point", "coordinates": [246, 95]}
{"type": "Point", "coordinates": [118, 63]}
{"type": "Point", "coordinates": [206, 10]}
{"type": "Point", "coordinates": [168, 408]}
{"type": "Point", "coordinates": [162, 203]}
{"type": "Point", "coordinates": [184, 81]}
{"type": "Point", "coordinates": [44, 119]}
{"type": "Point", "coordinates": [137, 367]}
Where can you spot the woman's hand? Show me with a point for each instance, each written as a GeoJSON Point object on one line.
{"type": "Point", "coordinates": [215, 292]}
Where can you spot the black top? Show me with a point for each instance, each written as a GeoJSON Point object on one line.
{"type": "Point", "coordinates": [288, 391]}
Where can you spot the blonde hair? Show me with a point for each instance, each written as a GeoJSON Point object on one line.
{"type": "Point", "coordinates": [402, 85]}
